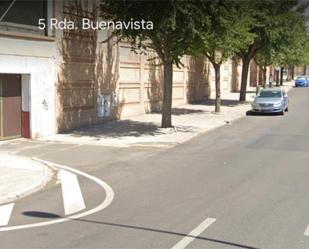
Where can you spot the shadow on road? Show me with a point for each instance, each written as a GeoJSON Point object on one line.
{"type": "Point", "coordinates": [251, 113]}
{"type": "Point", "coordinates": [41, 214]}
{"type": "Point", "coordinates": [51, 215]}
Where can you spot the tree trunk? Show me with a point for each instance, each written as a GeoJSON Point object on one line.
{"type": "Point", "coordinates": [281, 76]}
{"type": "Point", "coordinates": [260, 78]}
{"type": "Point", "coordinates": [292, 72]}
{"type": "Point", "coordinates": [244, 77]}
{"type": "Point", "coordinates": [264, 76]}
{"type": "Point", "coordinates": [289, 77]}
{"type": "Point", "coordinates": [277, 77]}
{"type": "Point", "coordinates": [218, 87]}
{"type": "Point", "coordinates": [167, 95]}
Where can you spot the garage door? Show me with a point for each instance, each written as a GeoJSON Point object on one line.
{"type": "Point", "coordinates": [10, 105]}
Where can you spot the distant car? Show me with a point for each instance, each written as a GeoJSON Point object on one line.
{"type": "Point", "coordinates": [271, 100]}
{"type": "Point", "coordinates": [302, 80]}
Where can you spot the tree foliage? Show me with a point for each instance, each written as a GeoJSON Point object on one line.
{"type": "Point", "coordinates": [294, 42]}
{"type": "Point", "coordinates": [287, 42]}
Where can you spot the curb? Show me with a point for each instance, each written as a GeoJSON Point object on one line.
{"type": "Point", "coordinates": [45, 177]}
{"type": "Point", "coordinates": [87, 140]}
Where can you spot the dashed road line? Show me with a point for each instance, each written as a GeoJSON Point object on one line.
{"type": "Point", "coordinates": [109, 196]}
{"type": "Point", "coordinates": [194, 233]}
{"type": "Point", "coordinates": [306, 233]}
{"type": "Point", "coordinates": [5, 213]}
{"type": "Point", "coordinates": [73, 200]}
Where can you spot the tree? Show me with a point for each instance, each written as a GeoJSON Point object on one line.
{"type": "Point", "coordinates": [171, 36]}
{"type": "Point", "coordinates": [279, 42]}
{"type": "Point", "coordinates": [227, 33]}
{"type": "Point", "coordinates": [294, 45]}
{"type": "Point", "coordinates": [265, 28]}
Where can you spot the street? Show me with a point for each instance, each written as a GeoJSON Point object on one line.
{"type": "Point", "coordinates": [243, 185]}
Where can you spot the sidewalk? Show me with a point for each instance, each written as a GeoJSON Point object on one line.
{"type": "Point", "coordinates": [21, 176]}
{"type": "Point", "coordinates": [189, 120]}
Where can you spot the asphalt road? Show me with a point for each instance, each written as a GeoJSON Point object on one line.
{"type": "Point", "coordinates": [252, 177]}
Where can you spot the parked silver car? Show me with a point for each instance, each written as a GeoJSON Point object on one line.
{"type": "Point", "coordinates": [271, 100]}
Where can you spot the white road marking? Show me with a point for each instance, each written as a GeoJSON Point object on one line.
{"type": "Point", "coordinates": [73, 201]}
{"type": "Point", "coordinates": [195, 233]}
{"type": "Point", "coordinates": [306, 233]}
{"type": "Point", "coordinates": [108, 200]}
{"type": "Point", "coordinates": [5, 213]}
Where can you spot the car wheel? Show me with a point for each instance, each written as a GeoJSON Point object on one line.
{"type": "Point", "coordinates": [287, 109]}
{"type": "Point", "coordinates": [281, 113]}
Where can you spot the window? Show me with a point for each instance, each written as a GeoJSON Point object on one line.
{"type": "Point", "coordinates": [270, 94]}
{"type": "Point", "coordinates": [22, 15]}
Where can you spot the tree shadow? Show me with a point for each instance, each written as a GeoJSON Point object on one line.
{"type": "Point", "coordinates": [142, 228]}
{"type": "Point", "coordinates": [125, 128]}
{"type": "Point", "coordinates": [185, 111]}
{"type": "Point", "coordinates": [224, 102]}
{"type": "Point", "coordinates": [117, 129]}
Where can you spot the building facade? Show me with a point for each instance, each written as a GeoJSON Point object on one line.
{"type": "Point", "coordinates": [57, 79]}
{"type": "Point", "coordinates": [27, 72]}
